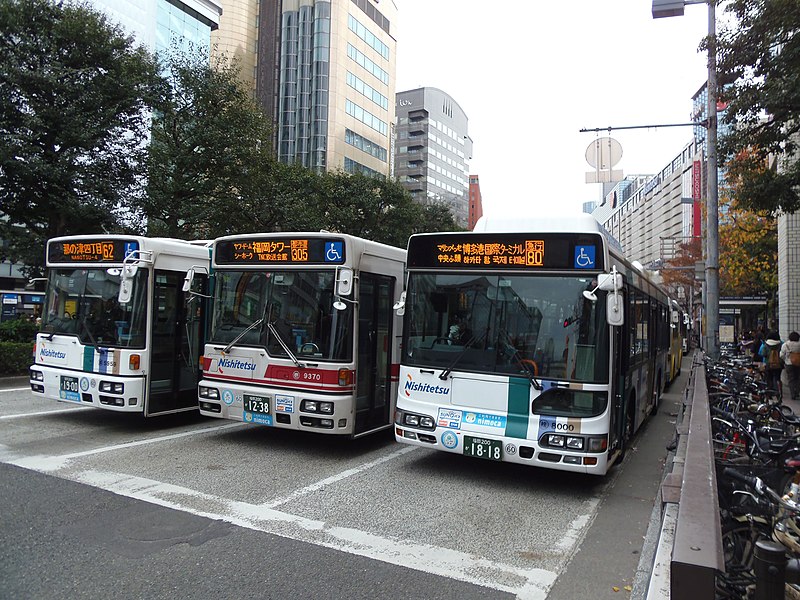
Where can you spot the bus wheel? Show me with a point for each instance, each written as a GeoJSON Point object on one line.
{"type": "Point", "coordinates": [656, 396]}
{"type": "Point", "coordinates": [627, 432]}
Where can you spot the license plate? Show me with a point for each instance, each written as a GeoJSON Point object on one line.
{"type": "Point", "coordinates": [68, 388]}
{"type": "Point", "coordinates": [483, 448]}
{"type": "Point", "coordinates": [256, 404]}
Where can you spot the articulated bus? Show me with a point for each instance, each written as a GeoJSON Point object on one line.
{"type": "Point", "coordinates": [533, 342]}
{"type": "Point", "coordinates": [304, 335]}
{"type": "Point", "coordinates": [121, 330]}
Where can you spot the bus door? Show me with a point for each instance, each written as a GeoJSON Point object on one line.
{"type": "Point", "coordinates": [622, 344]}
{"type": "Point", "coordinates": [174, 347]}
{"type": "Point", "coordinates": [373, 368]}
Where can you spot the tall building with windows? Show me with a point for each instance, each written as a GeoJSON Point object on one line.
{"type": "Point", "coordinates": [324, 70]}
{"type": "Point", "coordinates": [164, 25]}
{"type": "Point", "coordinates": [475, 202]}
{"type": "Point", "coordinates": [434, 149]}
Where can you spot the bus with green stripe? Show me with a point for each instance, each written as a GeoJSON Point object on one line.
{"type": "Point", "coordinates": [534, 342]}
{"type": "Point", "coordinates": [122, 325]}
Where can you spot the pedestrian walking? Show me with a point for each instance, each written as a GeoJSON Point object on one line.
{"type": "Point", "coordinates": [755, 347]}
{"type": "Point", "coordinates": [790, 355]}
{"type": "Point", "coordinates": [773, 365]}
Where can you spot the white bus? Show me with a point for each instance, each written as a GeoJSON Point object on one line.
{"type": "Point", "coordinates": [533, 342]}
{"type": "Point", "coordinates": [119, 331]}
{"type": "Point", "coordinates": [304, 335]}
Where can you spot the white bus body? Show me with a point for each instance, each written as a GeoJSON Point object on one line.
{"type": "Point", "coordinates": [529, 342]}
{"type": "Point", "coordinates": [303, 334]}
{"type": "Point", "coordinates": [118, 330]}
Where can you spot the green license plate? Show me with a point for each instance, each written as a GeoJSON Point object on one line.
{"type": "Point", "coordinates": [483, 448]}
{"type": "Point", "coordinates": [256, 404]}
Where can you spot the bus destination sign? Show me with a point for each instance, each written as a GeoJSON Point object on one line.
{"type": "Point", "coordinates": [291, 251]}
{"type": "Point", "coordinates": [95, 250]}
{"type": "Point", "coordinates": [507, 251]}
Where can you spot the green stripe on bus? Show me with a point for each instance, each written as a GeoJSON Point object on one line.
{"type": "Point", "coordinates": [88, 359]}
{"type": "Point", "coordinates": [519, 393]}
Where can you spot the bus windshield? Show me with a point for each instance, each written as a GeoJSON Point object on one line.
{"type": "Point", "coordinates": [83, 302]}
{"type": "Point", "coordinates": [507, 324]}
{"type": "Point", "coordinates": [299, 306]}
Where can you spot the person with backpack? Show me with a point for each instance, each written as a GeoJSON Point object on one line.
{"type": "Point", "coordinates": [790, 354]}
{"type": "Point", "coordinates": [773, 365]}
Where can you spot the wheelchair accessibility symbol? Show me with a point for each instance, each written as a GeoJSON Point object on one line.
{"type": "Point", "coordinates": [334, 251]}
{"type": "Point", "coordinates": [584, 257]}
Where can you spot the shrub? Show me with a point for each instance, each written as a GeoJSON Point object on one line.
{"type": "Point", "coordinates": [18, 330]}
{"type": "Point", "coordinates": [15, 357]}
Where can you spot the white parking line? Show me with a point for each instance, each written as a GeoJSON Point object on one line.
{"type": "Point", "coordinates": [45, 412]}
{"type": "Point", "coordinates": [22, 389]}
{"type": "Point", "coordinates": [47, 464]}
{"type": "Point", "coordinates": [334, 478]}
{"type": "Point", "coordinates": [526, 584]}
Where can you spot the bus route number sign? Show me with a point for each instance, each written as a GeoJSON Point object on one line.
{"type": "Point", "coordinates": [90, 250]}
{"type": "Point", "coordinates": [509, 251]}
{"type": "Point", "coordinates": [304, 251]}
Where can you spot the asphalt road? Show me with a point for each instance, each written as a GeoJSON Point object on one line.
{"type": "Point", "coordinates": [98, 504]}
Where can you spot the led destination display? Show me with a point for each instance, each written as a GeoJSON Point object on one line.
{"type": "Point", "coordinates": [311, 251]}
{"type": "Point", "coordinates": [507, 251]}
{"type": "Point", "coordinates": [96, 250]}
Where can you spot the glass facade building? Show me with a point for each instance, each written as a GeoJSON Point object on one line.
{"type": "Point", "coordinates": [325, 71]}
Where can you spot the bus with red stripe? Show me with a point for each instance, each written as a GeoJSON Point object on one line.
{"type": "Point", "coordinates": [534, 342]}
{"type": "Point", "coordinates": [303, 334]}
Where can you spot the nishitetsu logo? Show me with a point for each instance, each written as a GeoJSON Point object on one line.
{"type": "Point", "coordinates": [415, 386]}
{"type": "Point", "coordinates": [235, 363]}
{"type": "Point", "coordinates": [48, 353]}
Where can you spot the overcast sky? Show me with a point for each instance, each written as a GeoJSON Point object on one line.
{"type": "Point", "coordinates": [530, 74]}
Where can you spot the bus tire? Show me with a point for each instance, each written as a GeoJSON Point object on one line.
{"type": "Point", "coordinates": [627, 431]}
{"type": "Point", "coordinates": [656, 396]}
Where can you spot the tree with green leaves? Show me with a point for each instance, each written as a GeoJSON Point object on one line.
{"type": "Point", "coordinates": [759, 77]}
{"type": "Point", "coordinates": [73, 122]}
{"type": "Point", "coordinates": [210, 163]}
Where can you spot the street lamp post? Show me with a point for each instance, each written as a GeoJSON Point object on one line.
{"type": "Point", "coordinates": [673, 8]}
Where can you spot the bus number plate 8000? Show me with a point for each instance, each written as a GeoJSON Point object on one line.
{"type": "Point", "coordinates": [483, 448]}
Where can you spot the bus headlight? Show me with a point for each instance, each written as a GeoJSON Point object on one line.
{"type": "Point", "coordinates": [208, 392]}
{"type": "Point", "coordinates": [37, 375]}
{"type": "Point", "coordinates": [555, 440]}
{"type": "Point", "coordinates": [574, 443]}
{"type": "Point", "coordinates": [408, 419]}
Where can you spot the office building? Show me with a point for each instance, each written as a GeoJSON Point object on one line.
{"type": "Point", "coordinates": [324, 71]}
{"type": "Point", "coordinates": [652, 215]}
{"type": "Point", "coordinates": [434, 149]}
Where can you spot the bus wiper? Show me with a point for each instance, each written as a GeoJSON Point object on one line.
{"type": "Point", "coordinates": [285, 346]}
{"type": "Point", "coordinates": [89, 333]}
{"type": "Point", "coordinates": [227, 348]}
{"type": "Point", "coordinates": [526, 365]}
{"type": "Point", "coordinates": [473, 340]}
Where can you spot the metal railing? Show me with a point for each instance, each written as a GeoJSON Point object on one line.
{"type": "Point", "coordinates": [689, 553]}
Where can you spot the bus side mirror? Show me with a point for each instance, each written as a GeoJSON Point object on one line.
{"type": "Point", "coordinates": [187, 281]}
{"type": "Point", "coordinates": [676, 318]}
{"type": "Point", "coordinates": [344, 281]}
{"type": "Point", "coordinates": [615, 314]}
{"type": "Point", "coordinates": [125, 290]}
{"type": "Point", "coordinates": [126, 283]}
{"type": "Point", "coordinates": [400, 306]}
